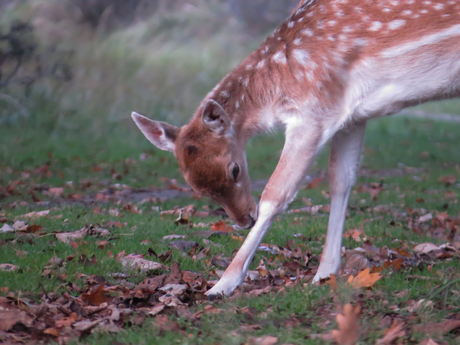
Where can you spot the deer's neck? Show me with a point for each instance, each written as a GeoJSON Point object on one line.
{"type": "Point", "coordinates": [321, 60]}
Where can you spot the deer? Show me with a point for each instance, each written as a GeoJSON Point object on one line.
{"type": "Point", "coordinates": [328, 69]}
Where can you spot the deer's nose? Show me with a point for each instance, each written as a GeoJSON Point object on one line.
{"type": "Point", "coordinates": [252, 222]}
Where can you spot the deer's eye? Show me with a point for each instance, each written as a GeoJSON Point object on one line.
{"type": "Point", "coordinates": [235, 171]}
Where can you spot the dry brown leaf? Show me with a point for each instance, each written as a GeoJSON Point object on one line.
{"type": "Point", "coordinates": [221, 226]}
{"type": "Point", "coordinates": [137, 261]}
{"type": "Point", "coordinates": [157, 309]}
{"type": "Point", "coordinates": [428, 342]}
{"type": "Point", "coordinates": [10, 316]}
{"type": "Point", "coordinates": [348, 323]}
{"type": "Point", "coordinates": [438, 328]}
{"type": "Point", "coordinates": [333, 282]}
{"type": "Point", "coordinates": [35, 214]}
{"type": "Point", "coordinates": [96, 296]}
{"type": "Point", "coordinates": [262, 269]}
{"type": "Point", "coordinates": [67, 321]}
{"type": "Point", "coordinates": [265, 340]}
{"type": "Point", "coordinates": [20, 225]}
{"type": "Point", "coordinates": [425, 248]}
{"type": "Point", "coordinates": [67, 237]}
{"type": "Point", "coordinates": [7, 228]}
{"type": "Point", "coordinates": [56, 191]}
{"type": "Point", "coordinates": [394, 332]}
{"type": "Point", "coordinates": [8, 267]}
{"type": "Point", "coordinates": [51, 331]}
{"type": "Point", "coordinates": [355, 233]}
{"type": "Point", "coordinates": [451, 179]}
{"type": "Point", "coordinates": [364, 279]}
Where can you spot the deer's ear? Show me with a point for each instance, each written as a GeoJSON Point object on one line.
{"type": "Point", "coordinates": [215, 118]}
{"type": "Point", "coordinates": [160, 134]}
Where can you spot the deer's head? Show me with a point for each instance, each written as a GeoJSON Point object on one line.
{"type": "Point", "coordinates": [211, 157]}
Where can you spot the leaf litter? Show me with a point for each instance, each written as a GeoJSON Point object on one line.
{"type": "Point", "coordinates": [111, 303]}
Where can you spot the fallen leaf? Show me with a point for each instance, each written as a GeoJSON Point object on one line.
{"type": "Point", "coordinates": [137, 261]}
{"type": "Point", "coordinates": [333, 282]}
{"type": "Point", "coordinates": [67, 237]}
{"type": "Point", "coordinates": [438, 328]}
{"type": "Point", "coordinates": [35, 214]}
{"type": "Point", "coordinates": [155, 310]}
{"type": "Point", "coordinates": [8, 267]}
{"type": "Point", "coordinates": [170, 237]}
{"type": "Point", "coordinates": [425, 248]}
{"type": "Point", "coordinates": [265, 340]}
{"type": "Point", "coordinates": [7, 228]}
{"type": "Point", "coordinates": [10, 317]}
{"type": "Point", "coordinates": [394, 332]}
{"type": "Point", "coordinates": [174, 289]}
{"type": "Point", "coordinates": [262, 269]}
{"type": "Point", "coordinates": [20, 225]}
{"type": "Point", "coordinates": [95, 296]}
{"type": "Point", "coordinates": [425, 218]}
{"type": "Point", "coordinates": [428, 342]}
{"type": "Point", "coordinates": [51, 331]}
{"type": "Point", "coordinates": [221, 226]}
{"type": "Point", "coordinates": [56, 191]}
{"type": "Point", "coordinates": [364, 279]}
{"type": "Point", "coordinates": [448, 180]}
{"type": "Point", "coordinates": [348, 323]}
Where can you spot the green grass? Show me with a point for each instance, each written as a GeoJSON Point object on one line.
{"type": "Point", "coordinates": [390, 143]}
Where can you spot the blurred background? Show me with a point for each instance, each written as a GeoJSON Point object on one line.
{"type": "Point", "coordinates": [86, 64]}
{"type": "Point", "coordinates": [71, 72]}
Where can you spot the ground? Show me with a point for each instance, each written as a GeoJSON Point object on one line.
{"type": "Point", "coordinates": [128, 202]}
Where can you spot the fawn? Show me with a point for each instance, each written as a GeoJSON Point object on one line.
{"type": "Point", "coordinates": [330, 67]}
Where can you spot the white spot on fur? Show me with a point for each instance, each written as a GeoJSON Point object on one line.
{"type": "Point", "coordinates": [395, 24]}
{"type": "Point", "coordinates": [331, 22]}
{"type": "Point", "coordinates": [225, 94]}
{"type": "Point", "coordinates": [301, 56]}
{"type": "Point", "coordinates": [299, 76]}
{"type": "Point", "coordinates": [424, 11]}
{"type": "Point", "coordinates": [265, 50]}
{"type": "Point", "coordinates": [242, 97]}
{"type": "Point", "coordinates": [297, 41]}
{"type": "Point", "coordinates": [237, 105]}
{"type": "Point", "coordinates": [438, 7]}
{"type": "Point", "coordinates": [246, 82]}
{"type": "Point", "coordinates": [307, 32]}
{"type": "Point", "coordinates": [427, 2]}
{"type": "Point", "coordinates": [290, 24]}
{"type": "Point", "coordinates": [406, 12]}
{"type": "Point", "coordinates": [279, 57]}
{"type": "Point", "coordinates": [375, 26]}
{"type": "Point", "coordinates": [248, 67]}
{"type": "Point", "coordinates": [260, 64]}
{"type": "Point", "coordinates": [386, 9]}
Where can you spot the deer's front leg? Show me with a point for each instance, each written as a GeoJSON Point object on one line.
{"type": "Point", "coordinates": [344, 162]}
{"type": "Point", "coordinates": [300, 147]}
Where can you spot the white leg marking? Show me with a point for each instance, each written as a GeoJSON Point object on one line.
{"type": "Point", "coordinates": [344, 163]}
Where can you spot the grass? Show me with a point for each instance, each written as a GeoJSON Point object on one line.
{"type": "Point", "coordinates": [384, 140]}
